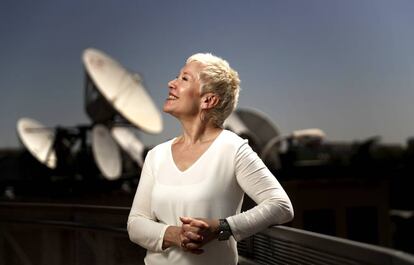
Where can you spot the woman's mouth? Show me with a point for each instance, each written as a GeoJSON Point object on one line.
{"type": "Point", "coordinates": [172, 97]}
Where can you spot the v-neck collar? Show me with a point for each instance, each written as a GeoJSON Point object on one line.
{"type": "Point", "coordinates": [198, 159]}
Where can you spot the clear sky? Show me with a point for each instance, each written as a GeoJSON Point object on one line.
{"type": "Point", "coordinates": [344, 66]}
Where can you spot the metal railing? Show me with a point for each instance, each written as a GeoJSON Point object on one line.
{"type": "Point", "coordinates": [276, 245]}
{"type": "Point", "coordinates": [286, 245]}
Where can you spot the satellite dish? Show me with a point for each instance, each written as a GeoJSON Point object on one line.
{"type": "Point", "coordinates": [106, 153]}
{"type": "Point", "coordinates": [39, 140]}
{"type": "Point", "coordinates": [257, 128]}
{"type": "Point", "coordinates": [129, 142]}
{"type": "Point", "coordinates": [253, 123]}
{"type": "Point", "coordinates": [123, 91]}
{"type": "Point", "coordinates": [234, 123]}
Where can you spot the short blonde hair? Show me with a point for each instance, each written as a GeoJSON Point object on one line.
{"type": "Point", "coordinates": [219, 78]}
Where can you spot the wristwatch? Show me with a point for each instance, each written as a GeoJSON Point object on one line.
{"type": "Point", "coordinates": [224, 230]}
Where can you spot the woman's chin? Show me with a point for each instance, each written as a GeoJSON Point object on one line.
{"type": "Point", "coordinates": [167, 109]}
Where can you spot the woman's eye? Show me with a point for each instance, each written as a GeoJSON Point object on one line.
{"type": "Point", "coordinates": [185, 78]}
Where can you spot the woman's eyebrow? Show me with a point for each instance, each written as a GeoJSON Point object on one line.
{"type": "Point", "coordinates": [188, 73]}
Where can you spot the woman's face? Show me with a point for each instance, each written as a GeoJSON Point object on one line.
{"type": "Point", "coordinates": [184, 96]}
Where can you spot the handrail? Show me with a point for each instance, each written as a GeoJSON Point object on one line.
{"type": "Point", "coordinates": [63, 205]}
{"type": "Point", "coordinates": [281, 242]}
{"type": "Point", "coordinates": [65, 224]}
{"type": "Point", "coordinates": [70, 220]}
{"type": "Point", "coordinates": [275, 245]}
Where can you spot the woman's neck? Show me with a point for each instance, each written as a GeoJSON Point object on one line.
{"type": "Point", "coordinates": [198, 132]}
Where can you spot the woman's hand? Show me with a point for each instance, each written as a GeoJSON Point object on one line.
{"type": "Point", "coordinates": [175, 236]}
{"type": "Point", "coordinates": [198, 232]}
{"type": "Point", "coordinates": [192, 235]}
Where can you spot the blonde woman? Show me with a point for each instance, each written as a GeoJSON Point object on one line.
{"type": "Point", "coordinates": [187, 205]}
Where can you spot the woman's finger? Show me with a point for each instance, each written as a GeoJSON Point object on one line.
{"type": "Point", "coordinates": [196, 251]}
{"type": "Point", "coordinates": [192, 246]}
{"type": "Point", "coordinates": [189, 228]}
{"type": "Point", "coordinates": [186, 220]}
{"type": "Point", "coordinates": [199, 223]}
{"type": "Point", "coordinates": [193, 236]}
{"type": "Point", "coordinates": [194, 222]}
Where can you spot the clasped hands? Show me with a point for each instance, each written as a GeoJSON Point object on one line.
{"type": "Point", "coordinates": [196, 232]}
{"type": "Point", "coordinates": [193, 234]}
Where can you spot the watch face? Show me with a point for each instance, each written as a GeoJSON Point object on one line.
{"type": "Point", "coordinates": [224, 235]}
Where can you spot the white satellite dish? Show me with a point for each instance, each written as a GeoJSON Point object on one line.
{"type": "Point", "coordinates": [39, 140]}
{"type": "Point", "coordinates": [106, 153]}
{"type": "Point", "coordinates": [258, 128]}
{"type": "Point", "coordinates": [129, 142]}
{"type": "Point", "coordinates": [253, 123]}
{"type": "Point", "coordinates": [234, 123]}
{"type": "Point", "coordinates": [123, 90]}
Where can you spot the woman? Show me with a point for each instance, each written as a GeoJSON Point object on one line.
{"type": "Point", "coordinates": [187, 206]}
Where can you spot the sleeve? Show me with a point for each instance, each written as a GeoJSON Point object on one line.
{"type": "Point", "coordinates": [274, 206]}
{"type": "Point", "coordinates": [143, 228]}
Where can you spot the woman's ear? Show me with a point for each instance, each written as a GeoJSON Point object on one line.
{"type": "Point", "coordinates": [209, 101]}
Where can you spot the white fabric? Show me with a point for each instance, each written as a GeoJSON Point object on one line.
{"type": "Point", "coordinates": [212, 187]}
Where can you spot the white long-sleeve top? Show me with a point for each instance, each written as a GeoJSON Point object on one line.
{"type": "Point", "coordinates": [212, 187]}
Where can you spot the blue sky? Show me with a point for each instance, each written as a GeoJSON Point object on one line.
{"type": "Point", "coordinates": [346, 66]}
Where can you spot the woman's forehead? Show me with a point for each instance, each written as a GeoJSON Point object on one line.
{"type": "Point", "coordinates": [193, 67]}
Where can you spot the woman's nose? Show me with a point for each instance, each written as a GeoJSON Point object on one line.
{"type": "Point", "coordinates": [171, 83]}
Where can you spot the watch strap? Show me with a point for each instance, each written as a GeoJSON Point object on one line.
{"type": "Point", "coordinates": [224, 231]}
